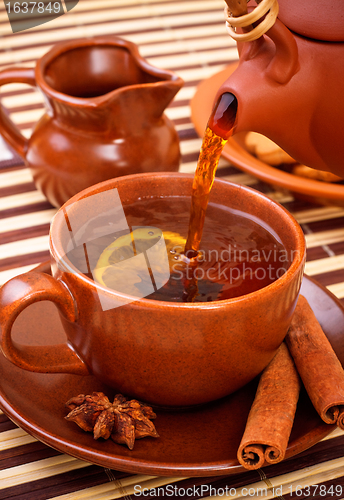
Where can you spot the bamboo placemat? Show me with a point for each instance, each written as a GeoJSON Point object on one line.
{"type": "Point", "coordinates": [188, 37]}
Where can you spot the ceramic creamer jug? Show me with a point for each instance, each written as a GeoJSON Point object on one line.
{"type": "Point", "coordinates": [290, 82]}
{"type": "Point", "coordinates": [104, 116]}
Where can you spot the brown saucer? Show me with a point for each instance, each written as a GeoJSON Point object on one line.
{"type": "Point", "coordinates": [198, 442]}
{"type": "Point", "coordinates": [316, 191]}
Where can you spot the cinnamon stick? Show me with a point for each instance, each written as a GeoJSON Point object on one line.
{"type": "Point", "coordinates": [271, 417]}
{"type": "Point", "coordinates": [320, 370]}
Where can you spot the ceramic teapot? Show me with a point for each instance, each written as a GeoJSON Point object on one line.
{"type": "Point", "coordinates": [105, 116]}
{"type": "Point", "coordinates": [290, 83]}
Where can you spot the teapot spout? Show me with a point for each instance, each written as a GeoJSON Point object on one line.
{"type": "Point", "coordinates": [265, 65]}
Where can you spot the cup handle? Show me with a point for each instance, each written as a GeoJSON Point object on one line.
{"type": "Point", "coordinates": [8, 129]}
{"type": "Point", "coordinates": [17, 294]}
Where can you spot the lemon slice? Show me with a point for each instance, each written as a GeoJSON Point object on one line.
{"type": "Point", "coordinates": [122, 265]}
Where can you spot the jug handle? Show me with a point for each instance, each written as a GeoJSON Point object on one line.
{"type": "Point", "coordinates": [8, 129]}
{"type": "Point", "coordinates": [17, 294]}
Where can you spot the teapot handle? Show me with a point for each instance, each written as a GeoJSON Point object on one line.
{"type": "Point", "coordinates": [17, 294]}
{"type": "Point", "coordinates": [8, 129]}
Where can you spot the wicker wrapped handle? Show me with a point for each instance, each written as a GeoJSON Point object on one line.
{"type": "Point", "coordinates": [236, 15]}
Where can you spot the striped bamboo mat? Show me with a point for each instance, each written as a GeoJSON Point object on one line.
{"type": "Point", "coordinates": [188, 37]}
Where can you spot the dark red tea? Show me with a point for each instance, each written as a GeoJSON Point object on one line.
{"type": "Point", "coordinates": [237, 255]}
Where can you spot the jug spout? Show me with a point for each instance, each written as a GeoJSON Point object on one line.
{"type": "Point", "coordinates": [136, 106]}
{"type": "Point", "coordinates": [86, 83]}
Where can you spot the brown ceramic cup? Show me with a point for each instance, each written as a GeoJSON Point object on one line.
{"type": "Point", "coordinates": [165, 353]}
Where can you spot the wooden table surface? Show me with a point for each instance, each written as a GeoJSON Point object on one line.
{"type": "Point", "coordinates": [188, 37]}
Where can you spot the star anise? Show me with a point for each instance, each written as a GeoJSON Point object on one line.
{"type": "Point", "coordinates": [123, 421]}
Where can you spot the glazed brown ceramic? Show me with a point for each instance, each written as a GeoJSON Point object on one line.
{"type": "Point", "coordinates": [314, 18]}
{"type": "Point", "coordinates": [326, 193]}
{"type": "Point", "coordinates": [291, 89]}
{"type": "Point", "coordinates": [165, 353]}
{"type": "Point", "coordinates": [198, 442]}
{"type": "Point", "coordinates": [105, 116]}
